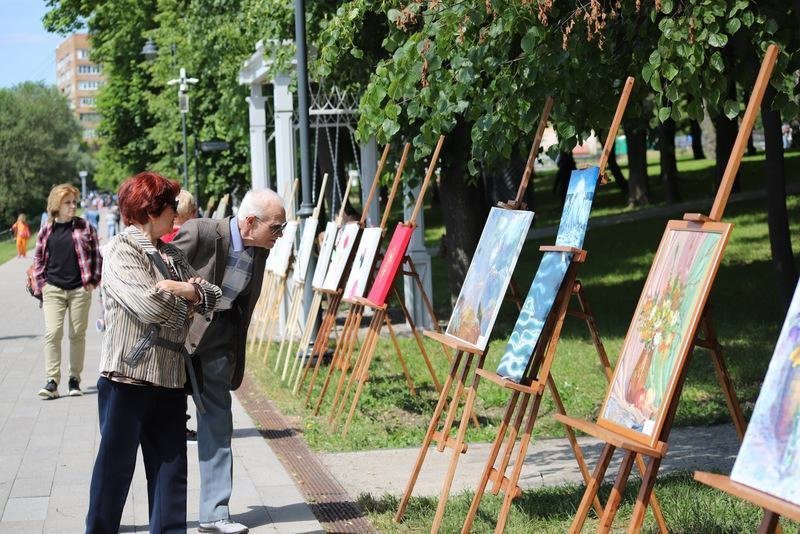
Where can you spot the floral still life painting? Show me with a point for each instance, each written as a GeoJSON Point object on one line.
{"type": "Point", "coordinates": [769, 459]}
{"type": "Point", "coordinates": [488, 276]}
{"type": "Point", "coordinates": [661, 331]}
{"type": "Point", "coordinates": [325, 252]}
{"type": "Point", "coordinates": [395, 253]}
{"type": "Point", "coordinates": [549, 275]}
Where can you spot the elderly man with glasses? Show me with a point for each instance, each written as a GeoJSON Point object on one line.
{"type": "Point", "coordinates": [230, 253]}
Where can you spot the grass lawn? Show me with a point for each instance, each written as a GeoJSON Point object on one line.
{"type": "Point", "coordinates": [745, 312]}
{"type": "Point", "coordinates": [8, 249]}
{"type": "Point", "coordinates": [687, 505]}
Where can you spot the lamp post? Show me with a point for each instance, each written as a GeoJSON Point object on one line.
{"type": "Point", "coordinates": [83, 175]}
{"type": "Point", "coordinates": [183, 103]}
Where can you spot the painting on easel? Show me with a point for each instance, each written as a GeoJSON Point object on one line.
{"type": "Point", "coordinates": [769, 459]}
{"type": "Point", "coordinates": [344, 245]}
{"type": "Point", "coordinates": [395, 253]}
{"type": "Point", "coordinates": [325, 252]}
{"type": "Point", "coordinates": [283, 248]}
{"type": "Point", "coordinates": [488, 276]}
{"type": "Point", "coordinates": [549, 275]}
{"type": "Point", "coordinates": [304, 250]}
{"type": "Point", "coordinates": [362, 263]}
{"type": "Point", "coordinates": [660, 336]}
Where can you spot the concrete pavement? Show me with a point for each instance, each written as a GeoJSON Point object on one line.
{"type": "Point", "coordinates": [47, 448]}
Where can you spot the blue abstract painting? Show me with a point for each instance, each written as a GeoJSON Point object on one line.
{"type": "Point", "coordinates": [546, 283]}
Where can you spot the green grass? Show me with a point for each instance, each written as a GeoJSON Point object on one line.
{"type": "Point", "coordinates": [688, 507]}
{"type": "Point", "coordinates": [745, 312]}
{"type": "Point", "coordinates": [8, 249]}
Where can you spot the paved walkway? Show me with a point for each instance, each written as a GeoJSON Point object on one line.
{"type": "Point", "coordinates": [47, 448]}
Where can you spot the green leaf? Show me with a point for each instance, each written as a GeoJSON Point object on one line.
{"type": "Point", "coordinates": [731, 108]}
{"type": "Point", "coordinates": [647, 72]}
{"type": "Point", "coordinates": [393, 14]}
{"type": "Point", "coordinates": [655, 83]}
{"type": "Point", "coordinates": [733, 26]}
{"type": "Point", "coordinates": [655, 58]}
{"type": "Point", "coordinates": [357, 53]}
{"type": "Point", "coordinates": [529, 39]}
{"type": "Point", "coordinates": [716, 62]}
{"type": "Point", "coordinates": [666, 6]}
{"type": "Point", "coordinates": [669, 71]}
{"type": "Point", "coordinates": [717, 40]}
{"type": "Point", "coordinates": [663, 113]}
{"type": "Point", "coordinates": [566, 130]}
{"type": "Point", "coordinates": [748, 18]}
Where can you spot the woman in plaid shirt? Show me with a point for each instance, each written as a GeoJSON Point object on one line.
{"type": "Point", "coordinates": [67, 265]}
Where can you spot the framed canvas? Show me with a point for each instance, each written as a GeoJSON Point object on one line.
{"type": "Point", "coordinates": [283, 248]}
{"type": "Point", "coordinates": [769, 459]}
{"type": "Point", "coordinates": [304, 251]}
{"type": "Point", "coordinates": [390, 264]}
{"type": "Point", "coordinates": [341, 253]}
{"type": "Point", "coordinates": [660, 335]}
{"type": "Point", "coordinates": [363, 262]}
{"type": "Point", "coordinates": [489, 274]}
{"type": "Point", "coordinates": [550, 275]}
{"type": "Point", "coordinates": [325, 252]}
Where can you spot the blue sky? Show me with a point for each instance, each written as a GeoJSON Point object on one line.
{"type": "Point", "coordinates": [27, 51]}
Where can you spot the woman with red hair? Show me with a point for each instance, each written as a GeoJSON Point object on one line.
{"type": "Point", "coordinates": [150, 295]}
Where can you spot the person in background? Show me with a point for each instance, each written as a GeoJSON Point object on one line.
{"type": "Point", "coordinates": [187, 209]}
{"type": "Point", "coordinates": [21, 232]}
{"type": "Point", "coordinates": [112, 220]}
{"type": "Point", "coordinates": [150, 292]}
{"type": "Point", "coordinates": [67, 266]}
{"type": "Point", "coordinates": [231, 253]}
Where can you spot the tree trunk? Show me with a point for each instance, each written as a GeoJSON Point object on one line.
{"type": "Point", "coordinates": [697, 139]}
{"type": "Point", "coordinates": [669, 167]}
{"type": "Point", "coordinates": [726, 137]}
{"type": "Point", "coordinates": [638, 186]}
{"type": "Point", "coordinates": [463, 206]}
{"type": "Point", "coordinates": [777, 215]}
{"type": "Point", "coordinates": [751, 146]}
{"type": "Point", "coordinates": [619, 178]}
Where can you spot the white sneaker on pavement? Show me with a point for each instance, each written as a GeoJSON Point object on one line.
{"type": "Point", "coordinates": [223, 526]}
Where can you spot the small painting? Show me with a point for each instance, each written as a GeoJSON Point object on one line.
{"type": "Point", "coordinates": [660, 335]}
{"type": "Point", "coordinates": [304, 251]}
{"type": "Point", "coordinates": [283, 248]}
{"type": "Point", "coordinates": [550, 275]}
{"type": "Point", "coordinates": [769, 459]}
{"type": "Point", "coordinates": [488, 276]}
{"type": "Point", "coordinates": [363, 262]}
{"type": "Point", "coordinates": [390, 264]}
{"type": "Point", "coordinates": [325, 251]}
{"type": "Point", "coordinates": [341, 255]}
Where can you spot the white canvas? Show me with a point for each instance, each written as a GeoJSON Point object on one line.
{"type": "Point", "coordinates": [304, 251]}
{"type": "Point", "coordinates": [362, 263]}
{"type": "Point", "coordinates": [341, 253]}
{"type": "Point", "coordinates": [325, 251]}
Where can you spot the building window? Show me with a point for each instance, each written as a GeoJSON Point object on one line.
{"type": "Point", "coordinates": [83, 53]}
{"type": "Point", "coordinates": [87, 101]}
{"type": "Point", "coordinates": [89, 133]}
{"type": "Point", "coordinates": [89, 69]}
{"type": "Point", "coordinates": [92, 118]}
{"type": "Point", "coordinates": [89, 86]}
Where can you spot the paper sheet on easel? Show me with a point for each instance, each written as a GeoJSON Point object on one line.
{"type": "Point", "coordinates": [553, 267]}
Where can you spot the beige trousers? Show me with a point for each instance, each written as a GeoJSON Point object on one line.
{"type": "Point", "coordinates": [55, 304]}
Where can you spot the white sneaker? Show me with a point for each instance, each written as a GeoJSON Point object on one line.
{"type": "Point", "coordinates": [223, 526]}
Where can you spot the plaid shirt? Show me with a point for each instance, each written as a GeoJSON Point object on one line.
{"type": "Point", "coordinates": [87, 249]}
{"type": "Point", "coordinates": [238, 269]}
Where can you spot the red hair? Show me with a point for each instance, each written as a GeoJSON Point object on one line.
{"type": "Point", "coordinates": [145, 194]}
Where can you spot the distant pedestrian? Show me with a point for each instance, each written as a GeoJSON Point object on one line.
{"type": "Point", "coordinates": [786, 134]}
{"type": "Point", "coordinates": [67, 265]}
{"type": "Point", "coordinates": [22, 233]}
{"type": "Point", "coordinates": [151, 295]}
{"type": "Point", "coordinates": [112, 220]}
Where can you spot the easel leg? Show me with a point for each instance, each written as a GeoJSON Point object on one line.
{"type": "Point", "coordinates": [409, 381]}
{"type": "Point", "coordinates": [341, 354]}
{"type": "Point", "coordinates": [304, 341]}
{"type": "Point", "coordinates": [648, 481]}
{"type": "Point", "coordinates": [425, 299]}
{"type": "Point", "coordinates": [420, 344]}
{"type": "Point", "coordinates": [363, 375]}
{"type": "Point", "coordinates": [615, 498]}
{"type": "Point", "coordinates": [769, 524]}
{"type": "Point", "coordinates": [341, 395]}
{"type": "Point", "coordinates": [321, 343]}
{"type": "Point", "coordinates": [592, 488]}
{"type": "Point", "coordinates": [423, 450]}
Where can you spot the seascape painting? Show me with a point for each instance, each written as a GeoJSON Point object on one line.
{"type": "Point", "coordinates": [769, 459]}
{"type": "Point", "coordinates": [489, 274]}
{"type": "Point", "coordinates": [325, 252]}
{"type": "Point", "coordinates": [341, 254]}
{"type": "Point", "coordinates": [390, 264]}
{"type": "Point", "coordinates": [304, 251]}
{"type": "Point", "coordinates": [362, 263]}
{"type": "Point", "coordinates": [549, 275]}
{"type": "Point", "coordinates": [283, 249]}
{"type": "Point", "coordinates": [661, 331]}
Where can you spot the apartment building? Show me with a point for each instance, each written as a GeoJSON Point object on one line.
{"type": "Point", "coordinates": [79, 80]}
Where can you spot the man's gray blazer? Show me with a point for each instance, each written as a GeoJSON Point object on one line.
{"type": "Point", "coordinates": [206, 243]}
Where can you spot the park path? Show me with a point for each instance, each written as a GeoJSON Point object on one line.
{"type": "Point", "coordinates": [47, 448]}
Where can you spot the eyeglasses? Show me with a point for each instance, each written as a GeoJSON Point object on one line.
{"type": "Point", "coordinates": [275, 228]}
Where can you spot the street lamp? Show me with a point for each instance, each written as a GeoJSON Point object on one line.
{"type": "Point", "coordinates": [83, 175]}
{"type": "Point", "coordinates": [150, 52]}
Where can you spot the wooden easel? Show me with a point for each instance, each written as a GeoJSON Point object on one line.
{"type": "Point", "coordinates": [321, 342]}
{"type": "Point", "coordinates": [297, 294]}
{"type": "Point", "coordinates": [359, 374]}
{"type": "Point", "coordinates": [316, 304]}
{"type": "Point", "coordinates": [773, 507]}
{"type": "Point", "coordinates": [349, 334]}
{"type": "Point", "coordinates": [631, 445]}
